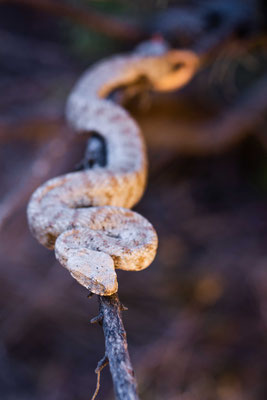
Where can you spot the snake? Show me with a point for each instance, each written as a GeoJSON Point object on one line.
{"type": "Point", "coordinates": [85, 215]}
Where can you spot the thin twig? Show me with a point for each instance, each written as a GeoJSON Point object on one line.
{"type": "Point", "coordinates": [121, 369]}
{"type": "Point", "coordinates": [97, 386]}
{"type": "Point", "coordinates": [101, 364]}
{"type": "Point", "coordinates": [117, 348]}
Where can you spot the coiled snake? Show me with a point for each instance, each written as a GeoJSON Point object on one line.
{"type": "Point", "coordinates": [85, 215]}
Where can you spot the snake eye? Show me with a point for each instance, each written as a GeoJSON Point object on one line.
{"type": "Point", "coordinates": [178, 66]}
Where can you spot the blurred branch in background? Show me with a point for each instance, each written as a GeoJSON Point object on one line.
{"type": "Point", "coordinates": [85, 16]}
{"type": "Point", "coordinates": [48, 159]}
{"type": "Point", "coordinates": [200, 24]}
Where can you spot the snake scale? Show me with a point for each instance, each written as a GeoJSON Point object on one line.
{"type": "Point", "coordinates": [84, 215]}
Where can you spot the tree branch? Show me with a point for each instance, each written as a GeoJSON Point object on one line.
{"type": "Point", "coordinates": [116, 353]}
{"type": "Point", "coordinates": [110, 308]}
{"type": "Point", "coordinates": [111, 26]}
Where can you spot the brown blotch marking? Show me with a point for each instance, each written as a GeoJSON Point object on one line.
{"type": "Point", "coordinates": [129, 214]}
{"type": "Point", "coordinates": [129, 195]}
{"type": "Point", "coordinates": [109, 196]}
{"type": "Point", "coordinates": [117, 117]}
{"type": "Point", "coordinates": [75, 218]}
{"type": "Point", "coordinates": [100, 110]}
{"type": "Point", "coordinates": [113, 181]}
{"type": "Point", "coordinates": [127, 131]}
{"type": "Point", "coordinates": [58, 215]}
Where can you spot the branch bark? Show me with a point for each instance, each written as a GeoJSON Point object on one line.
{"type": "Point", "coordinates": [125, 386]}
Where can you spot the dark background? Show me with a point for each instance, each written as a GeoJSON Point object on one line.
{"type": "Point", "coordinates": [197, 318]}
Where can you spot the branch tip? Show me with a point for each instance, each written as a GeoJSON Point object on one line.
{"type": "Point", "coordinates": [98, 318]}
{"type": "Point", "coordinates": [123, 307]}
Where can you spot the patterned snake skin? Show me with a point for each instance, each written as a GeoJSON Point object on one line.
{"type": "Point", "coordinates": [85, 215]}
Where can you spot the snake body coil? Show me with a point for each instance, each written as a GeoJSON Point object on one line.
{"type": "Point", "coordinates": [85, 215]}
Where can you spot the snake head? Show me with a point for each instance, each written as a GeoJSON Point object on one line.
{"type": "Point", "coordinates": [182, 65]}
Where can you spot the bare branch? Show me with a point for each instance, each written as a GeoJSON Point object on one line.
{"type": "Point", "coordinates": [117, 349]}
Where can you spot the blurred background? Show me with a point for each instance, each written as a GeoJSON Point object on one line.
{"type": "Point", "coordinates": [197, 319]}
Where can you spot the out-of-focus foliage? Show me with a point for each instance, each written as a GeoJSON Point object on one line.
{"type": "Point", "coordinates": [82, 39]}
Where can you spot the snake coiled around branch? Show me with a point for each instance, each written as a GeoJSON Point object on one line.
{"type": "Point", "coordinates": [85, 215]}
